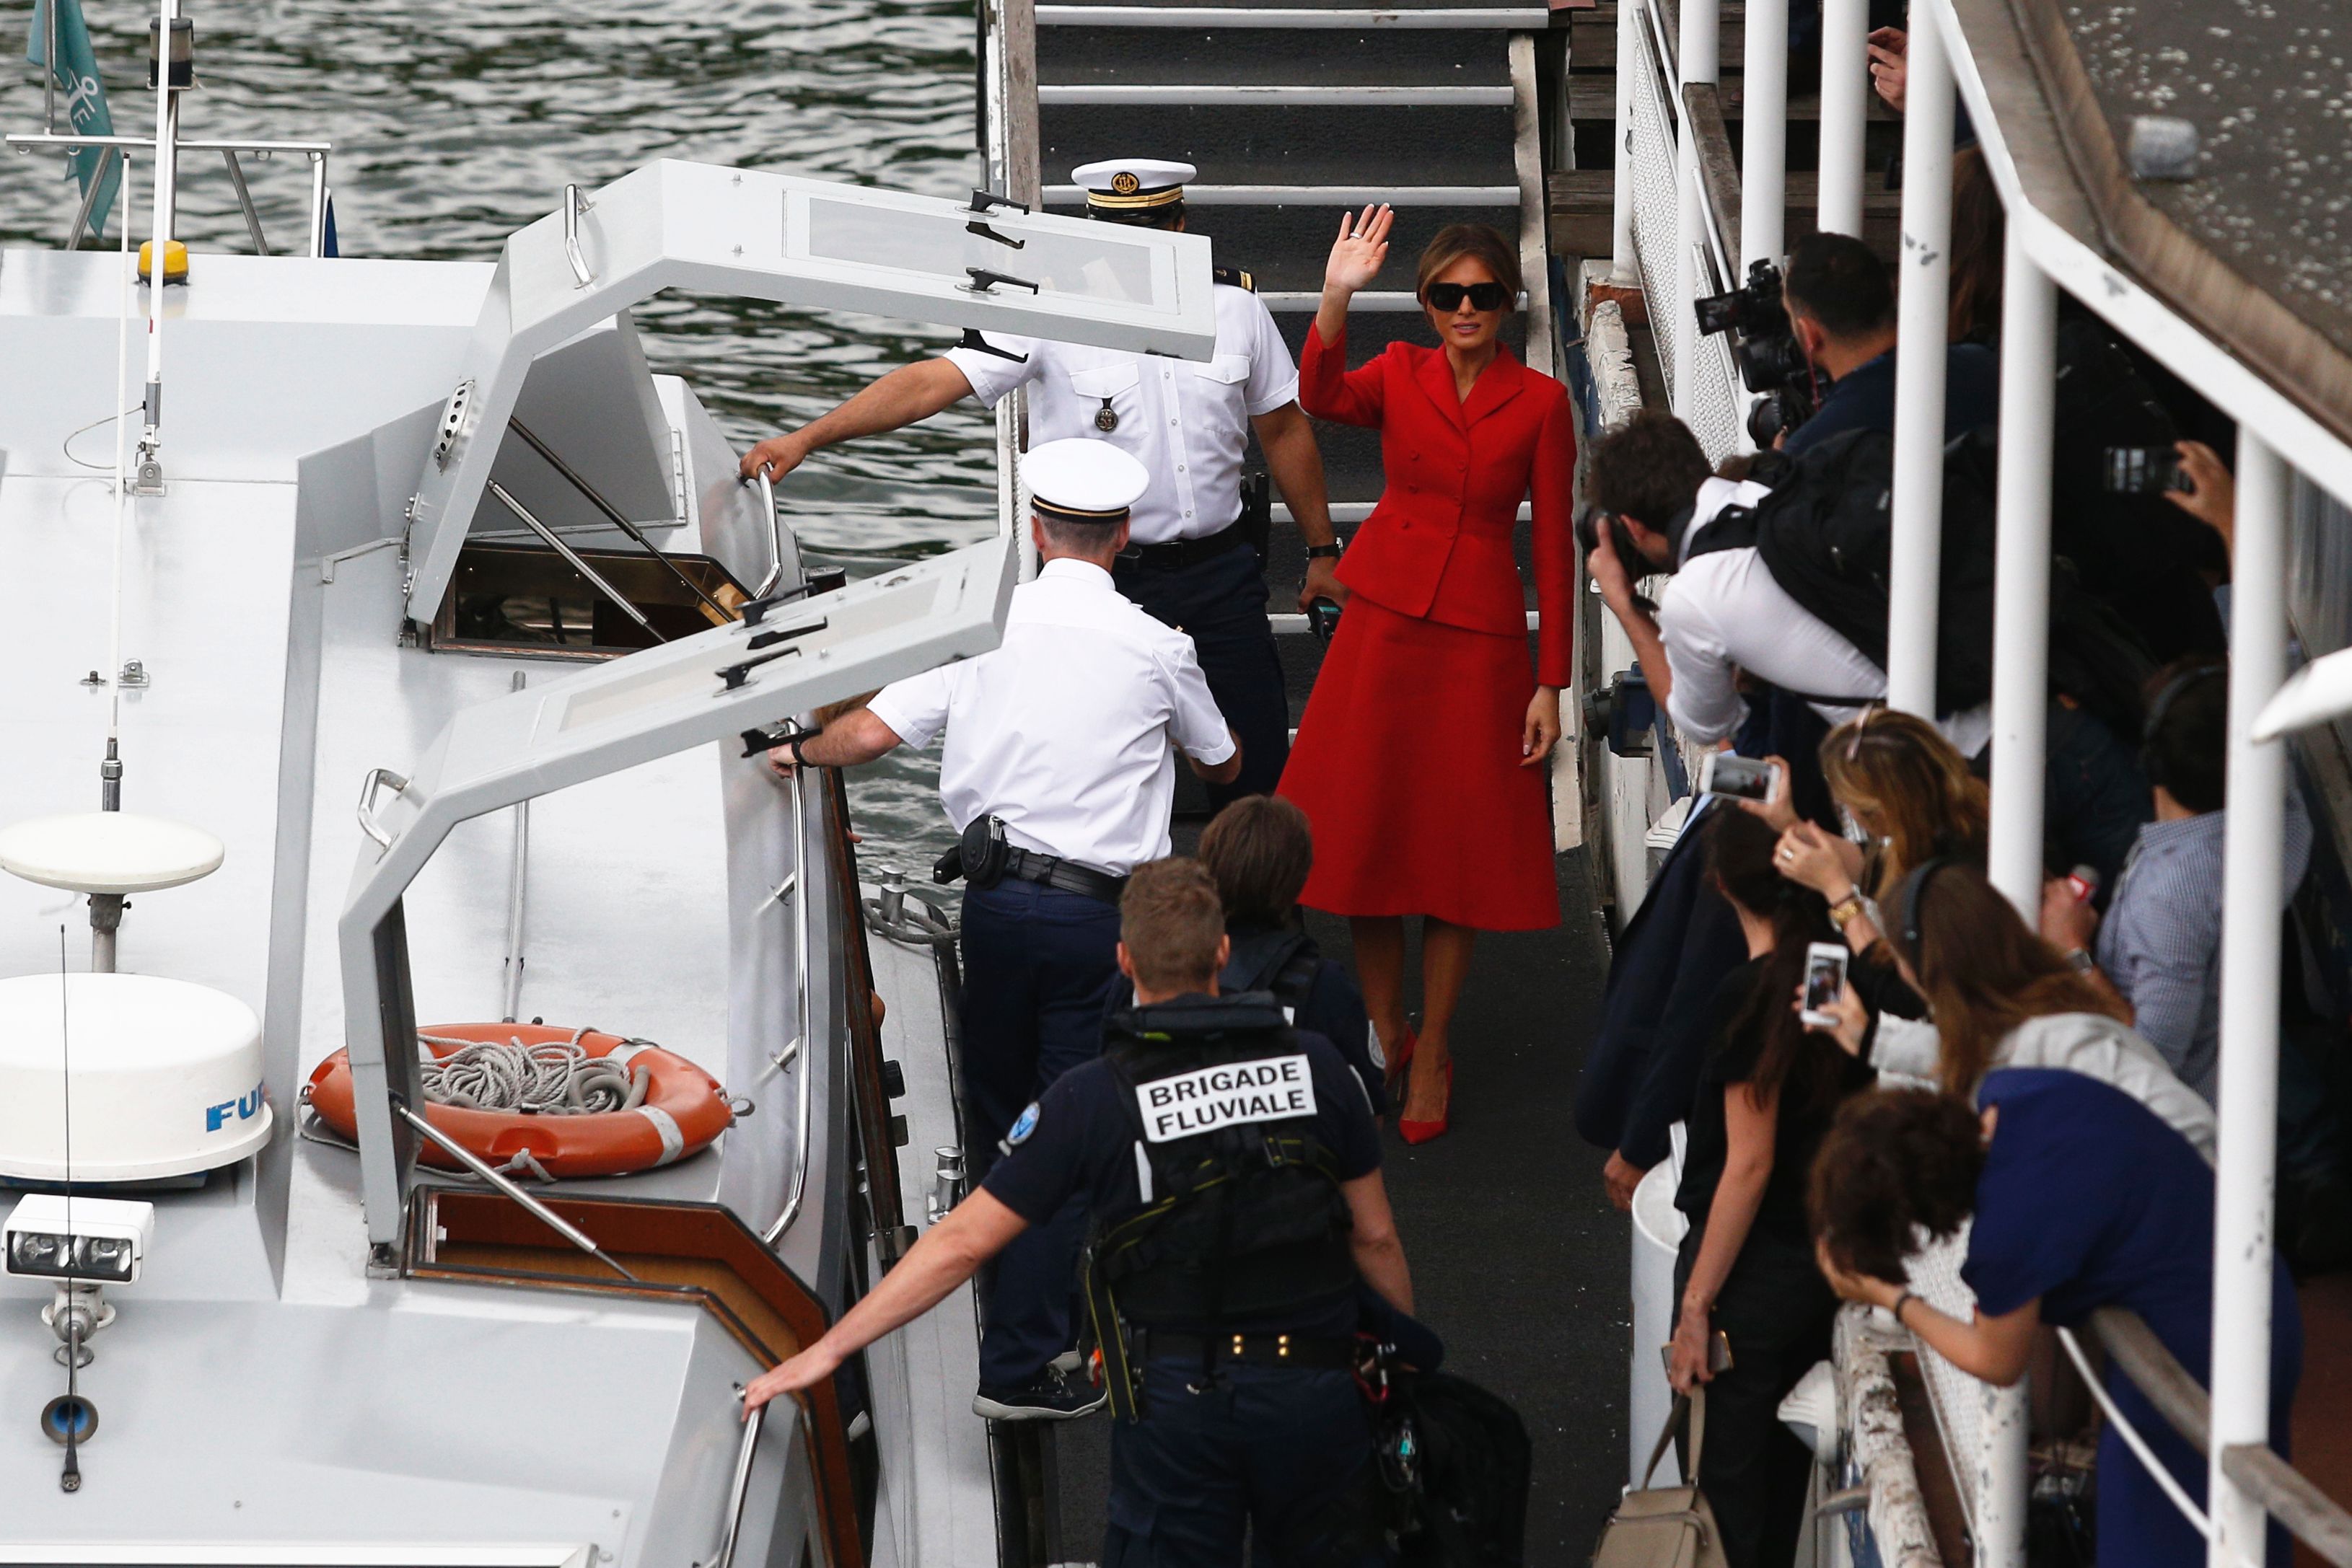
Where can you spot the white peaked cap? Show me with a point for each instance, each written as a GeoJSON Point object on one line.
{"type": "Point", "coordinates": [1133, 182]}
{"type": "Point", "coordinates": [1088, 481]}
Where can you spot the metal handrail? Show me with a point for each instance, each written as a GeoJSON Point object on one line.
{"type": "Point", "coordinates": [316, 152]}
{"type": "Point", "coordinates": [376, 779]}
{"type": "Point", "coordinates": [775, 535]}
{"type": "Point", "coordinates": [574, 203]}
{"type": "Point", "coordinates": [245, 202]}
{"type": "Point", "coordinates": [801, 1053]}
{"type": "Point", "coordinates": [741, 1492]}
{"type": "Point", "coordinates": [2309, 1515]}
{"type": "Point", "coordinates": [25, 141]}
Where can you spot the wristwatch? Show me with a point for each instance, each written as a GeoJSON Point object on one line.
{"type": "Point", "coordinates": [1324, 552]}
{"type": "Point", "coordinates": [794, 746]}
{"type": "Point", "coordinates": [2079, 960]}
{"type": "Point", "coordinates": [1846, 908]}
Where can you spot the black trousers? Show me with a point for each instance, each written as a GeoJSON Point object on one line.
{"type": "Point", "coordinates": [1775, 1309]}
{"type": "Point", "coordinates": [1221, 603]}
{"type": "Point", "coordinates": [1272, 1453]}
{"type": "Point", "coordinates": [1038, 965]}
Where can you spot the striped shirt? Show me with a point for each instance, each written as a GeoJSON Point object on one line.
{"type": "Point", "coordinates": [2161, 941]}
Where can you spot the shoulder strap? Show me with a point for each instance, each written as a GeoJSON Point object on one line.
{"type": "Point", "coordinates": [1693, 1406]}
{"type": "Point", "coordinates": [1234, 277]}
{"type": "Point", "coordinates": [1733, 527]}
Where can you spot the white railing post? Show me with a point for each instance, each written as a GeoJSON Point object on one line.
{"type": "Point", "coordinates": [1626, 266]}
{"type": "Point", "coordinates": [1764, 134]}
{"type": "Point", "coordinates": [1697, 55]}
{"type": "Point", "coordinates": [2252, 894]}
{"type": "Point", "coordinates": [2020, 616]}
{"type": "Point", "coordinates": [2003, 1419]}
{"type": "Point", "coordinates": [1924, 283]}
{"type": "Point", "coordinates": [1845, 99]}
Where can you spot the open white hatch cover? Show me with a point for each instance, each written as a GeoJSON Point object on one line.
{"type": "Point", "coordinates": [674, 225]}
{"type": "Point", "coordinates": [715, 685]}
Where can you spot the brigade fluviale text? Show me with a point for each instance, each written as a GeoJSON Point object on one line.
{"type": "Point", "coordinates": [1208, 1098]}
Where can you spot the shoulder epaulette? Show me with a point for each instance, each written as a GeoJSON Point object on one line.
{"type": "Point", "coordinates": [1235, 276]}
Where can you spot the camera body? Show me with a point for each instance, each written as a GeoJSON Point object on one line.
{"type": "Point", "coordinates": [1770, 360]}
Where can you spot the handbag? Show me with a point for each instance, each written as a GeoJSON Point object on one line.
{"type": "Point", "coordinates": [1665, 1527]}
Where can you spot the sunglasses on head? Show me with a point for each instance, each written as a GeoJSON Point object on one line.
{"type": "Point", "coordinates": [1482, 296]}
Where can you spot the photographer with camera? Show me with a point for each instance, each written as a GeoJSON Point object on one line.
{"type": "Point", "coordinates": [1654, 499]}
{"type": "Point", "coordinates": [1840, 307]}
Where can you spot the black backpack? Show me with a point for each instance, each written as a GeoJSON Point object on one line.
{"type": "Point", "coordinates": [1824, 534]}
{"type": "Point", "coordinates": [1285, 963]}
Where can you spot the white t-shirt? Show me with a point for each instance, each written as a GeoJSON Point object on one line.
{"type": "Point", "coordinates": [1186, 421]}
{"type": "Point", "coordinates": [1064, 729]}
{"type": "Point", "coordinates": [1723, 610]}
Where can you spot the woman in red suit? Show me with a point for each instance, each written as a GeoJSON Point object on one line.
{"type": "Point", "coordinates": [1421, 757]}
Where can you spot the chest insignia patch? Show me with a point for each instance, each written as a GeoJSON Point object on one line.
{"type": "Point", "coordinates": [1207, 1098]}
{"type": "Point", "coordinates": [1023, 1125]}
{"type": "Point", "coordinates": [1106, 417]}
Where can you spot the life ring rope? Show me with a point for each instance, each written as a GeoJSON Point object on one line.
{"type": "Point", "coordinates": [571, 1102]}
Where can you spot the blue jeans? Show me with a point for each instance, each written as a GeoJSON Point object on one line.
{"type": "Point", "coordinates": [1273, 1449]}
{"type": "Point", "coordinates": [1038, 965]}
{"type": "Point", "coordinates": [1220, 603]}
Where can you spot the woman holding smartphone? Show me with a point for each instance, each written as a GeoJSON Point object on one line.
{"type": "Point", "coordinates": [1745, 1272]}
{"type": "Point", "coordinates": [1420, 759]}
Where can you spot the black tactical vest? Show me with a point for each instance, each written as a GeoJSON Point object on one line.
{"type": "Point", "coordinates": [1244, 1218]}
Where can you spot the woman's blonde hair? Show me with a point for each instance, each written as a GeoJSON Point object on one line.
{"type": "Point", "coordinates": [1897, 771]}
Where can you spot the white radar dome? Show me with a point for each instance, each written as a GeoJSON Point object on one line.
{"type": "Point", "coordinates": [166, 1077]}
{"type": "Point", "coordinates": [108, 851]}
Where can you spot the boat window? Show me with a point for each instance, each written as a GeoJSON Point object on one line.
{"type": "Point", "coordinates": [1105, 268]}
{"type": "Point", "coordinates": [516, 597]}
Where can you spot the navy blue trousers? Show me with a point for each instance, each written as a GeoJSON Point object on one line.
{"type": "Point", "coordinates": [1275, 1449]}
{"type": "Point", "coordinates": [1038, 965]}
{"type": "Point", "coordinates": [1221, 604]}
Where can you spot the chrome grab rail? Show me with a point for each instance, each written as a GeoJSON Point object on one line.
{"type": "Point", "coordinates": [244, 200]}
{"type": "Point", "coordinates": [775, 536]}
{"type": "Point", "coordinates": [798, 1053]}
{"type": "Point", "coordinates": [741, 1492]}
{"type": "Point", "coordinates": [319, 199]}
{"type": "Point", "coordinates": [595, 579]}
{"type": "Point", "coordinates": [574, 203]}
{"type": "Point", "coordinates": [376, 779]}
{"type": "Point", "coordinates": [316, 152]}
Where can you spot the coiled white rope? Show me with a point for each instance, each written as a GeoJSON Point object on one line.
{"type": "Point", "coordinates": [555, 1077]}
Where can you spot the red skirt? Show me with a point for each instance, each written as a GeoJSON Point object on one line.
{"type": "Point", "coordinates": [1407, 765]}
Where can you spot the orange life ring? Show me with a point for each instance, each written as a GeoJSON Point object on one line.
{"type": "Point", "coordinates": [683, 1110]}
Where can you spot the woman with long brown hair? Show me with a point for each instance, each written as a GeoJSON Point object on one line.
{"type": "Point", "coordinates": [1999, 996]}
{"type": "Point", "coordinates": [1746, 1270]}
{"type": "Point", "coordinates": [1420, 759]}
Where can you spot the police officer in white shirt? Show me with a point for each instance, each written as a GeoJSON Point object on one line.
{"type": "Point", "coordinates": [1059, 771]}
{"type": "Point", "coordinates": [1190, 560]}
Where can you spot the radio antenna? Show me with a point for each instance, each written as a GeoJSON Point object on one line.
{"type": "Point", "coordinates": [71, 1481]}
{"type": "Point", "coordinates": [111, 771]}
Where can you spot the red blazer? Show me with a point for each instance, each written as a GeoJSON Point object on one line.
{"type": "Point", "coordinates": [1438, 545]}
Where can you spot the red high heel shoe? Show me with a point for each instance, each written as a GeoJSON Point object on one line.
{"type": "Point", "coordinates": [1392, 1075]}
{"type": "Point", "coordinates": [1415, 1131]}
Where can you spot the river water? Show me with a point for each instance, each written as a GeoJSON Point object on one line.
{"type": "Point", "coordinates": [455, 123]}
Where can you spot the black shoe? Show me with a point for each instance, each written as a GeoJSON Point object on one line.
{"type": "Point", "coordinates": [1054, 1397]}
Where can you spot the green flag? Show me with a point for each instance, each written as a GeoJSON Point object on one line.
{"type": "Point", "coordinates": [85, 96]}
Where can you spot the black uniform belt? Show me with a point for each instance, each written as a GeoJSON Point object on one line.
{"type": "Point", "coordinates": [1178, 554]}
{"type": "Point", "coordinates": [1027, 865]}
{"type": "Point", "coordinates": [1319, 1352]}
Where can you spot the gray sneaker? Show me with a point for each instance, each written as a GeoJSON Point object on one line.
{"type": "Point", "coordinates": [1054, 1397]}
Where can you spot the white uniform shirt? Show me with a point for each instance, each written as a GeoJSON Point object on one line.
{"type": "Point", "coordinates": [1723, 608]}
{"type": "Point", "coordinates": [1186, 421]}
{"type": "Point", "coordinates": [1063, 730]}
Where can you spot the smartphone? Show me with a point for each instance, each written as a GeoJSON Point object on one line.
{"type": "Point", "coordinates": [1824, 983]}
{"type": "Point", "coordinates": [1735, 778]}
{"type": "Point", "coordinates": [1719, 1354]}
{"type": "Point", "coordinates": [2144, 471]}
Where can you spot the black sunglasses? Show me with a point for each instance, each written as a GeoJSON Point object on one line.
{"type": "Point", "coordinates": [1482, 296]}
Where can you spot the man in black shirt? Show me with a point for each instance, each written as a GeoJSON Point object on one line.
{"type": "Point", "coordinates": [1249, 1417]}
{"type": "Point", "coordinates": [1842, 309]}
